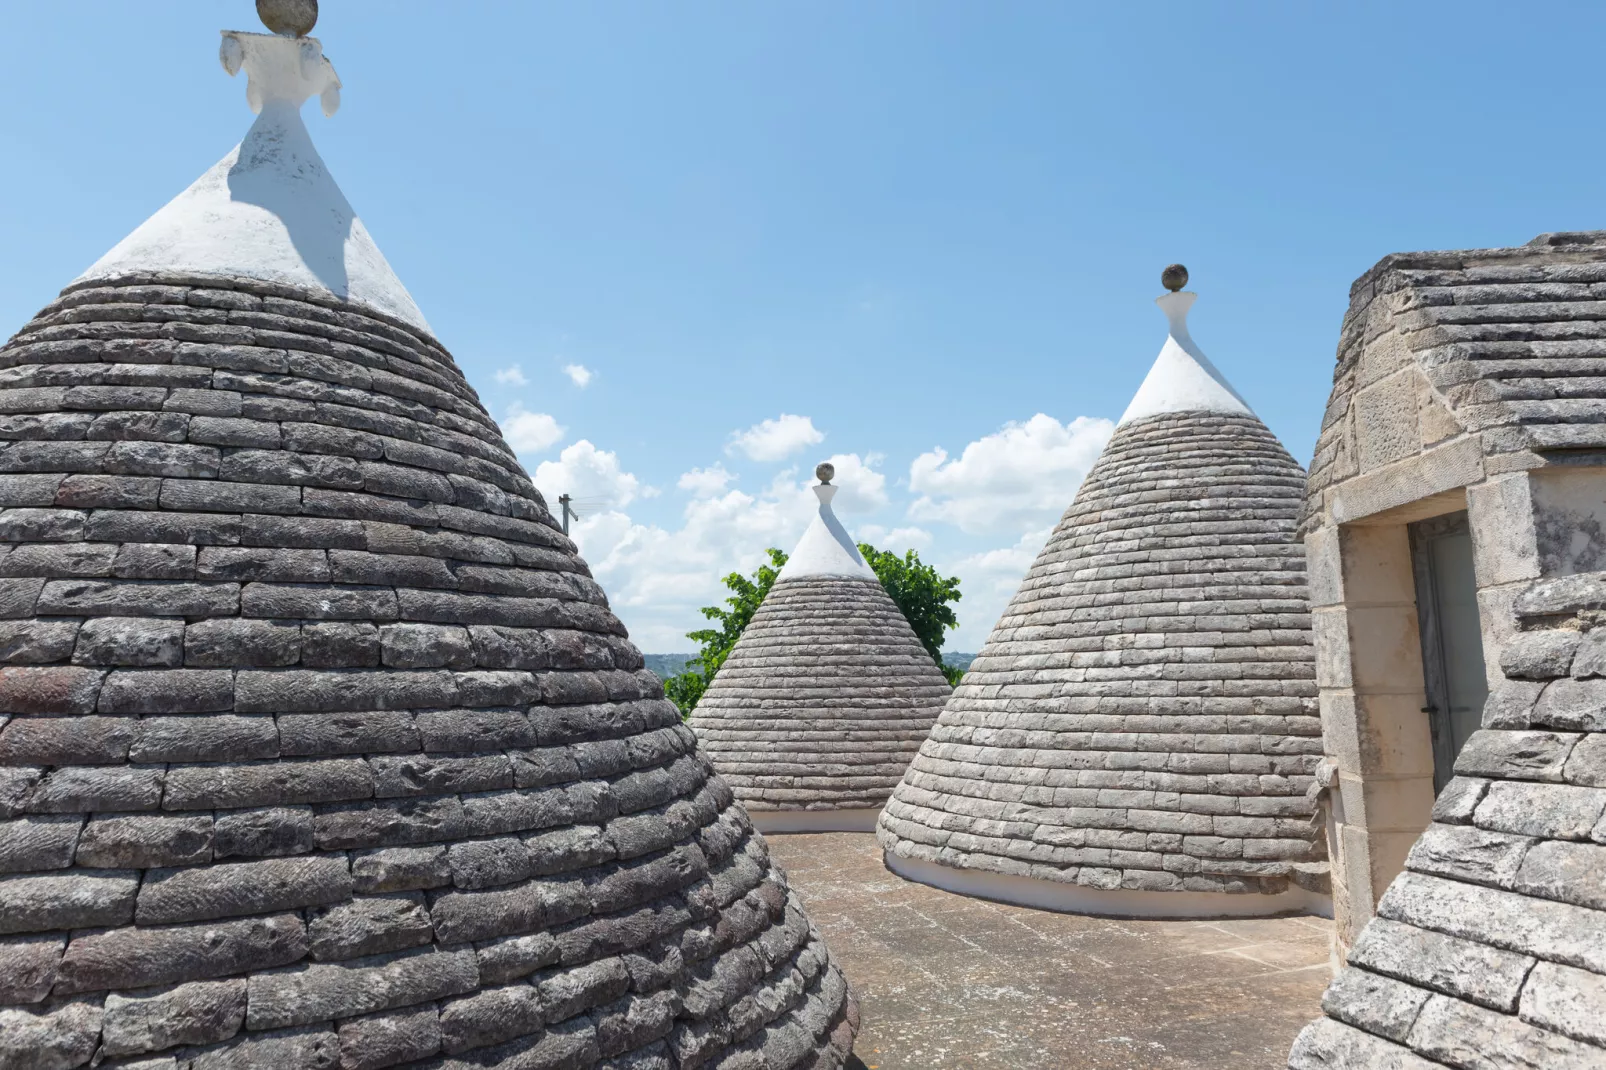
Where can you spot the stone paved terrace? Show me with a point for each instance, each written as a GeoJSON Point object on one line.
{"type": "Point", "coordinates": [947, 982]}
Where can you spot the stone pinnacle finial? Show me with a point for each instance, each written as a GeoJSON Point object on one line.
{"type": "Point", "coordinates": [824, 471]}
{"type": "Point", "coordinates": [288, 18]}
{"type": "Point", "coordinates": [1174, 277]}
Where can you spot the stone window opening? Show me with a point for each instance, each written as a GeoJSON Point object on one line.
{"type": "Point", "coordinates": [1454, 678]}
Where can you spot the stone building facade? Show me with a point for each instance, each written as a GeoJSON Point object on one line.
{"type": "Point", "coordinates": [1456, 527]}
{"type": "Point", "coordinates": [1467, 402]}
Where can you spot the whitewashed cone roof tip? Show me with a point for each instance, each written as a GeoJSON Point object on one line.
{"type": "Point", "coordinates": [826, 548]}
{"type": "Point", "coordinates": [1182, 378]}
{"type": "Point", "coordinates": [270, 209]}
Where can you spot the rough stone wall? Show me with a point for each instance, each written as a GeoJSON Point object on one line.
{"type": "Point", "coordinates": [1474, 380]}
{"type": "Point", "coordinates": [1490, 949]}
{"type": "Point", "coordinates": [823, 701]}
{"type": "Point", "coordinates": [1143, 715]}
{"type": "Point", "coordinates": [318, 743]}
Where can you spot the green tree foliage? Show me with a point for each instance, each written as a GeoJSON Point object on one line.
{"type": "Point", "coordinates": [922, 594]}
{"type": "Point", "coordinates": [686, 688]}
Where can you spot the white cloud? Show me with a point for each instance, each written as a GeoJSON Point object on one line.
{"type": "Point", "coordinates": [1004, 492]}
{"type": "Point", "coordinates": [777, 439]}
{"type": "Point", "coordinates": [513, 375]}
{"type": "Point", "coordinates": [585, 472]}
{"type": "Point", "coordinates": [988, 581]}
{"type": "Point", "coordinates": [896, 540]}
{"type": "Point", "coordinates": [657, 577]}
{"type": "Point", "coordinates": [530, 432]}
{"type": "Point", "coordinates": [579, 373]}
{"type": "Point", "coordinates": [860, 488]}
{"type": "Point", "coordinates": [1018, 478]}
{"type": "Point", "coordinates": [705, 482]}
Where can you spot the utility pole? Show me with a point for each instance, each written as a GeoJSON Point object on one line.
{"type": "Point", "coordinates": [564, 500]}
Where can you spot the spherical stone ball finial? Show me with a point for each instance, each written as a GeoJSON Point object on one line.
{"type": "Point", "coordinates": [824, 471]}
{"type": "Point", "coordinates": [1174, 278]}
{"type": "Point", "coordinates": [288, 18]}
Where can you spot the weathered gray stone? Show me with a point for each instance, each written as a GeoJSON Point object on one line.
{"type": "Point", "coordinates": [232, 889]}
{"type": "Point", "coordinates": [489, 1017]}
{"type": "Point", "coordinates": [1463, 968]}
{"type": "Point", "coordinates": [1454, 1032]}
{"type": "Point", "coordinates": [43, 842]}
{"type": "Point", "coordinates": [28, 967]}
{"type": "Point", "coordinates": [1542, 655]}
{"type": "Point", "coordinates": [139, 841]}
{"type": "Point", "coordinates": [369, 925]}
{"type": "Point", "coordinates": [130, 641]}
{"type": "Point", "coordinates": [201, 1013]}
{"type": "Point", "coordinates": [58, 1039]}
{"type": "Point", "coordinates": [1566, 1000]}
{"type": "Point", "coordinates": [317, 993]}
{"type": "Point", "coordinates": [248, 740]}
{"type": "Point", "coordinates": [386, 1039]}
{"type": "Point", "coordinates": [30, 904]}
{"type": "Point", "coordinates": [395, 869]}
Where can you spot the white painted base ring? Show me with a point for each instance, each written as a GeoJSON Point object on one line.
{"type": "Point", "coordinates": [771, 822]}
{"type": "Point", "coordinates": [1109, 902]}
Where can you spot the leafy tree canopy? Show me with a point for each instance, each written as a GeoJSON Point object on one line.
{"type": "Point", "coordinates": [686, 689]}
{"type": "Point", "coordinates": [922, 594]}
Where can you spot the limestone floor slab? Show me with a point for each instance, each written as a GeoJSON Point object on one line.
{"type": "Point", "coordinates": [949, 982]}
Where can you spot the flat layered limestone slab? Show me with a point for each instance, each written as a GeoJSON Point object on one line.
{"type": "Point", "coordinates": [320, 746]}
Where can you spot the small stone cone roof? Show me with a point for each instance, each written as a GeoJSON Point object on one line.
{"type": "Point", "coordinates": [319, 745]}
{"type": "Point", "coordinates": [1142, 718]}
{"type": "Point", "coordinates": [828, 693]}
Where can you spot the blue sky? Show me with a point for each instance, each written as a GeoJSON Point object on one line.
{"type": "Point", "coordinates": [907, 226]}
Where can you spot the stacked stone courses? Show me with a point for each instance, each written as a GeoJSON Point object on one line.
{"type": "Point", "coordinates": [1506, 363]}
{"type": "Point", "coordinates": [319, 745]}
{"type": "Point", "coordinates": [1143, 716]}
{"type": "Point", "coordinates": [823, 701]}
{"type": "Point", "coordinates": [1490, 949]}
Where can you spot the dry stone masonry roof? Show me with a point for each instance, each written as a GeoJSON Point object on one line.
{"type": "Point", "coordinates": [1490, 949]}
{"type": "Point", "coordinates": [1142, 718]}
{"type": "Point", "coordinates": [320, 746]}
{"type": "Point", "coordinates": [825, 698]}
{"type": "Point", "coordinates": [1509, 349]}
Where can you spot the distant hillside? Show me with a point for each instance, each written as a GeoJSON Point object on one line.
{"type": "Point", "coordinates": [667, 665]}
{"type": "Point", "coordinates": [956, 660]}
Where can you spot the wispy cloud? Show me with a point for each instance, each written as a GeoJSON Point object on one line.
{"type": "Point", "coordinates": [530, 432]}
{"type": "Point", "coordinates": [512, 375]}
{"type": "Point", "coordinates": [1016, 479]}
{"type": "Point", "coordinates": [777, 439]}
{"type": "Point", "coordinates": [579, 373]}
{"type": "Point", "coordinates": [587, 472]}
{"type": "Point", "coordinates": [705, 482]}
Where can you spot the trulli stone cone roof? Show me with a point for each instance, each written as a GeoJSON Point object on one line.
{"type": "Point", "coordinates": [826, 697]}
{"type": "Point", "coordinates": [319, 745]}
{"type": "Point", "coordinates": [1139, 732]}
